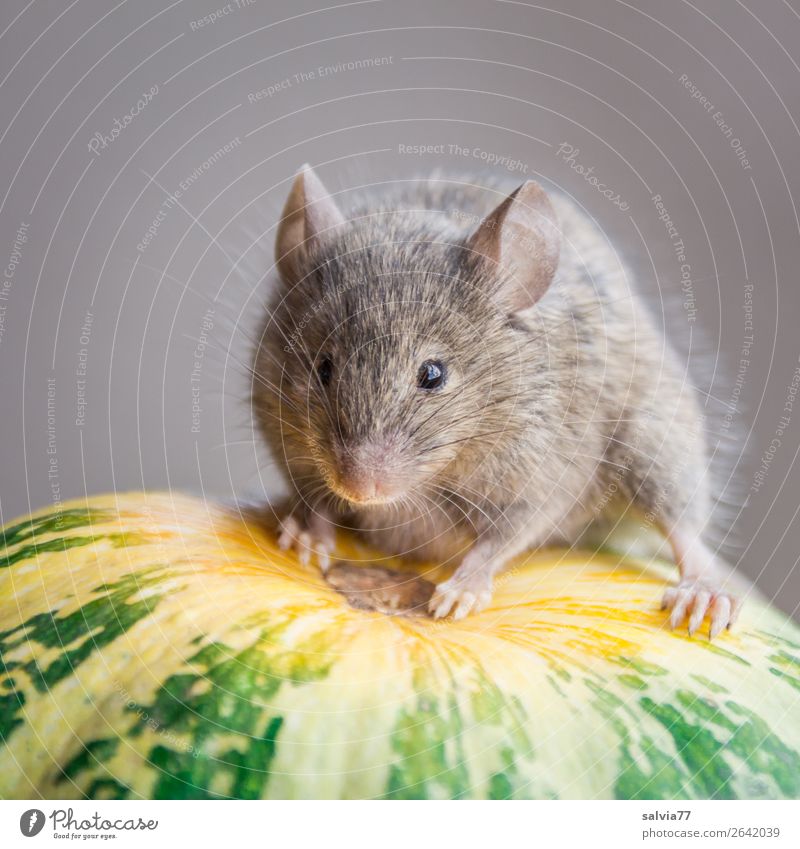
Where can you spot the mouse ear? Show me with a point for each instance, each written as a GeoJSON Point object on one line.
{"type": "Point", "coordinates": [308, 213]}
{"type": "Point", "coordinates": [523, 237]}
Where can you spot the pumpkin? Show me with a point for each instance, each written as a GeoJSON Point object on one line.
{"type": "Point", "coordinates": [159, 646]}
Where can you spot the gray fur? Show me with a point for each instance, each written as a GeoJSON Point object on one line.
{"type": "Point", "coordinates": [553, 416]}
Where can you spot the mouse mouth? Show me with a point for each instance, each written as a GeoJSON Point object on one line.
{"type": "Point", "coordinates": [364, 497]}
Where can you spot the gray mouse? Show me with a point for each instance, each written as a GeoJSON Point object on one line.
{"type": "Point", "coordinates": [461, 374]}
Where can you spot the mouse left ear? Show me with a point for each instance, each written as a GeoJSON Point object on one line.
{"type": "Point", "coordinates": [523, 237]}
{"type": "Point", "coordinates": [308, 213]}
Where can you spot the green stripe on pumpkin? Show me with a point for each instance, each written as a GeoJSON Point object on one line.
{"type": "Point", "coordinates": [428, 740]}
{"type": "Point", "coordinates": [94, 625]}
{"type": "Point", "coordinates": [226, 692]}
{"type": "Point", "coordinates": [52, 523]}
{"type": "Point", "coordinates": [28, 552]}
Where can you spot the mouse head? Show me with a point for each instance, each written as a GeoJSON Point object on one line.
{"type": "Point", "coordinates": [391, 353]}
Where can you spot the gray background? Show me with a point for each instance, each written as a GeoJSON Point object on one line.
{"type": "Point", "coordinates": [513, 79]}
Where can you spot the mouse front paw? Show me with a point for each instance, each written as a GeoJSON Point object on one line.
{"type": "Point", "coordinates": [307, 539]}
{"type": "Point", "coordinates": [460, 597]}
{"type": "Point", "coordinates": [697, 599]}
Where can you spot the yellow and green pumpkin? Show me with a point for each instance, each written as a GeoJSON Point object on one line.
{"type": "Point", "coordinates": [159, 646]}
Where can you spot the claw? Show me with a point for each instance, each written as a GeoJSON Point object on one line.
{"type": "Point", "coordinates": [289, 529]}
{"type": "Point", "coordinates": [464, 606]}
{"type": "Point", "coordinates": [701, 601]}
{"type": "Point", "coordinates": [440, 604]}
{"type": "Point", "coordinates": [304, 547]}
{"type": "Point", "coordinates": [442, 601]}
{"type": "Point", "coordinates": [683, 599]}
{"type": "Point", "coordinates": [720, 615]}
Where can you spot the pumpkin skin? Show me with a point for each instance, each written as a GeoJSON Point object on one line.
{"type": "Point", "coordinates": [159, 646]}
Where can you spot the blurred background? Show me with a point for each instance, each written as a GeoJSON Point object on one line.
{"type": "Point", "coordinates": [147, 148]}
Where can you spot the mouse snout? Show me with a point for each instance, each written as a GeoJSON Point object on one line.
{"type": "Point", "coordinates": [368, 472]}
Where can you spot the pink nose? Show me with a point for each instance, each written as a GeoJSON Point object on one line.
{"type": "Point", "coordinates": [364, 474]}
{"type": "Point", "coordinates": [360, 485]}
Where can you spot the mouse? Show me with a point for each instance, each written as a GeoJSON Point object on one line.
{"type": "Point", "coordinates": [462, 371]}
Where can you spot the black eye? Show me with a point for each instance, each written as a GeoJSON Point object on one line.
{"type": "Point", "coordinates": [431, 375]}
{"type": "Point", "coordinates": [325, 370]}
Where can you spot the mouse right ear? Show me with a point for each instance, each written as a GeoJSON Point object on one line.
{"type": "Point", "coordinates": [308, 213]}
{"type": "Point", "coordinates": [523, 237]}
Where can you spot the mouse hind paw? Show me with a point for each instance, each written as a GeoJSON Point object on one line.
{"type": "Point", "coordinates": [697, 599]}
